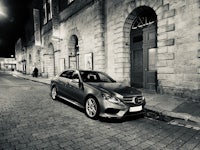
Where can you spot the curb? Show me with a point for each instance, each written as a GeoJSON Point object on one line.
{"type": "Point", "coordinates": [175, 115]}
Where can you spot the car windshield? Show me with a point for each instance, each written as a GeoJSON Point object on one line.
{"type": "Point", "coordinates": [92, 76]}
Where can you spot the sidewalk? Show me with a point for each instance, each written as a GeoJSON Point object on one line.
{"type": "Point", "coordinates": [168, 105]}
{"type": "Point", "coordinates": [173, 106]}
{"type": "Point", "coordinates": [29, 77]}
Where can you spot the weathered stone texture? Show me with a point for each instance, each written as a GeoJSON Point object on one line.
{"type": "Point", "coordinates": [165, 70]}
{"type": "Point", "coordinates": [166, 42]}
{"type": "Point", "coordinates": [169, 13]}
{"type": "Point", "coordinates": [161, 63]}
{"type": "Point", "coordinates": [198, 70]}
{"type": "Point", "coordinates": [185, 16]}
{"type": "Point", "coordinates": [166, 56]}
{"type": "Point", "coordinates": [87, 27]}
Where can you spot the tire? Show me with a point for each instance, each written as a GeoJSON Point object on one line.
{"type": "Point", "coordinates": [54, 93]}
{"type": "Point", "coordinates": [92, 108]}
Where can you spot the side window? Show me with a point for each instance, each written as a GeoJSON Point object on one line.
{"type": "Point", "coordinates": [92, 77]}
{"type": "Point", "coordinates": [67, 74]}
{"type": "Point", "coordinates": [103, 78]}
{"type": "Point", "coordinates": [75, 76]}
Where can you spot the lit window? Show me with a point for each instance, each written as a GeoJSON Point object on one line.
{"type": "Point", "coordinates": [44, 12]}
{"type": "Point", "coordinates": [47, 10]}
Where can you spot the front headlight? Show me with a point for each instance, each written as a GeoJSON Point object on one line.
{"type": "Point", "coordinates": [111, 99]}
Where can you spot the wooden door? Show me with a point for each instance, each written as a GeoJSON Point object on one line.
{"type": "Point", "coordinates": [136, 42]}
{"type": "Point", "coordinates": [150, 55]}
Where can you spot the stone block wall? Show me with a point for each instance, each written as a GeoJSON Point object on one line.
{"type": "Point", "coordinates": [31, 58]}
{"type": "Point", "coordinates": [50, 53]}
{"type": "Point", "coordinates": [116, 54]}
{"type": "Point", "coordinates": [88, 27]}
{"type": "Point", "coordinates": [177, 58]}
{"type": "Point", "coordinates": [18, 55]}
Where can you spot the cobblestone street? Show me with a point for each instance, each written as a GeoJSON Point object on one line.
{"type": "Point", "coordinates": [29, 119]}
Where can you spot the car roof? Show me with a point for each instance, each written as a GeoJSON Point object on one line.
{"type": "Point", "coordinates": [86, 71]}
{"type": "Point", "coordinates": [81, 70]}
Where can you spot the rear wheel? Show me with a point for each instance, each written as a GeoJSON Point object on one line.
{"type": "Point", "coordinates": [54, 93]}
{"type": "Point", "coordinates": [92, 108]}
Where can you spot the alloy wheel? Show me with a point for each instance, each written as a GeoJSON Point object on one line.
{"type": "Point", "coordinates": [91, 108]}
{"type": "Point", "coordinates": [53, 93]}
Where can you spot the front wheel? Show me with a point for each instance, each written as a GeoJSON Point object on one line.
{"type": "Point", "coordinates": [54, 93]}
{"type": "Point", "coordinates": [92, 108]}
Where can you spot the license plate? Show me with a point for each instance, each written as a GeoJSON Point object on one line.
{"type": "Point", "coordinates": [136, 108]}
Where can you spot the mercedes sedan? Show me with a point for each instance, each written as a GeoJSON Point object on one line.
{"type": "Point", "coordinates": [97, 93]}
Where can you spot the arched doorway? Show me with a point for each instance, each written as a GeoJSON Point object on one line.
{"type": "Point", "coordinates": [143, 43]}
{"type": "Point", "coordinates": [73, 52]}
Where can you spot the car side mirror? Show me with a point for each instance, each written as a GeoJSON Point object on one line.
{"type": "Point", "coordinates": [75, 80]}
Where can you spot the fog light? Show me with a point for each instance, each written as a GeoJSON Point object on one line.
{"type": "Point", "coordinates": [111, 111]}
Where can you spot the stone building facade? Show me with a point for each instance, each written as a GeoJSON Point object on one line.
{"type": "Point", "coordinates": [151, 44]}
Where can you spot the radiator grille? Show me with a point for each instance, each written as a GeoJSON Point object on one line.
{"type": "Point", "coordinates": [134, 100]}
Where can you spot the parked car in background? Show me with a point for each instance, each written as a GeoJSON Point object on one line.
{"type": "Point", "coordinates": [97, 93]}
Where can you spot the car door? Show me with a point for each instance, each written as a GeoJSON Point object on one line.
{"type": "Point", "coordinates": [63, 84]}
{"type": "Point", "coordinates": [77, 90]}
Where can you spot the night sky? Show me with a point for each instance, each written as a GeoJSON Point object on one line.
{"type": "Point", "coordinates": [12, 25]}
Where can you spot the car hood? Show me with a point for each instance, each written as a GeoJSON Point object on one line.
{"type": "Point", "coordinates": [119, 88]}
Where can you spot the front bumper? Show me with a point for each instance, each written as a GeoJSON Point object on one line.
{"type": "Point", "coordinates": [113, 110]}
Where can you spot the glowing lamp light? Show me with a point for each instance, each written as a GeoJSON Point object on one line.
{"type": "Point", "coordinates": [1, 13]}
{"type": "Point", "coordinates": [2, 10]}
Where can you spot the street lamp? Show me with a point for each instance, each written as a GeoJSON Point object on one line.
{"type": "Point", "coordinates": [2, 10]}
